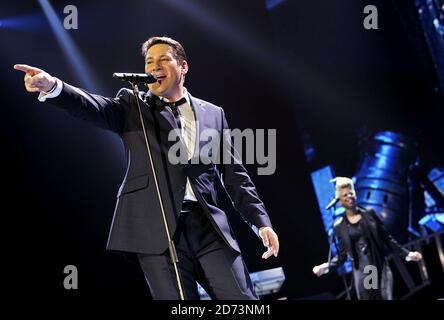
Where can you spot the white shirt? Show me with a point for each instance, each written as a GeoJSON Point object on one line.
{"type": "Point", "coordinates": [188, 132]}
{"type": "Point", "coordinates": [51, 94]}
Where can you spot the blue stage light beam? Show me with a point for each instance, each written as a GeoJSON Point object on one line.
{"type": "Point", "coordinates": [76, 60]}
{"type": "Point", "coordinates": [228, 31]}
{"type": "Point", "coordinates": [80, 67]}
{"type": "Point", "coordinates": [35, 23]}
{"type": "Point", "coordinates": [306, 80]}
{"type": "Point", "coordinates": [271, 4]}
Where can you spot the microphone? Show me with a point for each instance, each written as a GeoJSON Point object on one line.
{"type": "Point", "coordinates": [136, 77]}
{"type": "Point", "coordinates": [332, 203]}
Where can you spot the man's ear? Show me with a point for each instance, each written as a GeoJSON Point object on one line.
{"type": "Point", "coordinates": [184, 66]}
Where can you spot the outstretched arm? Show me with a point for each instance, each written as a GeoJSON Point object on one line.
{"type": "Point", "coordinates": [104, 112]}
{"type": "Point", "coordinates": [392, 243]}
{"type": "Point", "coordinates": [335, 262]}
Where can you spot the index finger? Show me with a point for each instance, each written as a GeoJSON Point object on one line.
{"type": "Point", "coordinates": [26, 68]}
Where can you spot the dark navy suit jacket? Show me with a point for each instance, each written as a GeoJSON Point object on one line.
{"type": "Point", "coordinates": [137, 224]}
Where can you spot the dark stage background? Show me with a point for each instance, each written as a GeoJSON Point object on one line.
{"type": "Point", "coordinates": [305, 68]}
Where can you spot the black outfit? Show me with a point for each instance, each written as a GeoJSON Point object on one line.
{"type": "Point", "coordinates": [203, 236]}
{"type": "Point", "coordinates": [203, 257]}
{"type": "Point", "coordinates": [367, 243]}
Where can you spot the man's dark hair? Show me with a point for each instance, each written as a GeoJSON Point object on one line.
{"type": "Point", "coordinates": [178, 50]}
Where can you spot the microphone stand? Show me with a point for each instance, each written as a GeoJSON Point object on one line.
{"type": "Point", "coordinates": [332, 240]}
{"type": "Point", "coordinates": [171, 246]}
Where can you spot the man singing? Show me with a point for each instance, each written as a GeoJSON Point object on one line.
{"type": "Point", "coordinates": [167, 209]}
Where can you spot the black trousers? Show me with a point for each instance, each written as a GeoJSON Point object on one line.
{"type": "Point", "coordinates": [385, 284]}
{"type": "Point", "coordinates": [204, 257]}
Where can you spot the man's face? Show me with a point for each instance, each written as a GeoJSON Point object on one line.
{"type": "Point", "coordinates": [169, 71]}
{"type": "Point", "coordinates": [347, 198]}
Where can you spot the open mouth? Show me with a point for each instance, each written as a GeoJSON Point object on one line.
{"type": "Point", "coordinates": [160, 79]}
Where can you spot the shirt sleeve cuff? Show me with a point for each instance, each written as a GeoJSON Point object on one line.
{"type": "Point", "coordinates": [53, 93]}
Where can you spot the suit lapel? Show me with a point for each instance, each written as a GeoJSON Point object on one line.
{"type": "Point", "coordinates": [199, 114]}
{"type": "Point", "coordinates": [150, 100]}
{"type": "Point", "coordinates": [167, 118]}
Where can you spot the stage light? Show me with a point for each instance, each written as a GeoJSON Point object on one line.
{"type": "Point", "coordinates": [436, 176]}
{"type": "Point", "coordinates": [73, 54]}
{"type": "Point", "coordinates": [264, 282]}
{"type": "Point", "coordinates": [433, 221]}
{"type": "Point", "coordinates": [271, 4]}
{"type": "Point", "coordinates": [267, 281]}
{"type": "Point", "coordinates": [382, 182]}
{"type": "Point", "coordinates": [34, 23]}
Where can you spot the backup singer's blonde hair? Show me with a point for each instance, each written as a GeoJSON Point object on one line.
{"type": "Point", "coordinates": [342, 183]}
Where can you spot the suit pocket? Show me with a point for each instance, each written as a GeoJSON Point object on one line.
{"type": "Point", "coordinates": [133, 184]}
